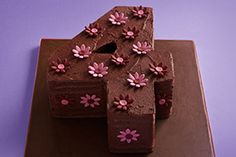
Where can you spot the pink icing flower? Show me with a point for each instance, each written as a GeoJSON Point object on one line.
{"type": "Point", "coordinates": [90, 100]}
{"type": "Point", "coordinates": [140, 12]}
{"type": "Point", "coordinates": [128, 135]}
{"type": "Point", "coordinates": [164, 100]}
{"type": "Point", "coordinates": [130, 33]}
{"type": "Point", "coordinates": [137, 80]}
{"type": "Point", "coordinates": [98, 70]}
{"type": "Point", "coordinates": [142, 47]}
{"type": "Point", "coordinates": [118, 18]}
{"type": "Point", "coordinates": [158, 69]}
{"type": "Point", "coordinates": [119, 59]}
{"type": "Point", "coordinates": [64, 100]}
{"type": "Point", "coordinates": [60, 66]}
{"type": "Point", "coordinates": [93, 29]}
{"type": "Point", "coordinates": [123, 102]}
{"type": "Point", "coordinates": [82, 51]}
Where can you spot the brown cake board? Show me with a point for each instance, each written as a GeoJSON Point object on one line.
{"type": "Point", "coordinates": [185, 134]}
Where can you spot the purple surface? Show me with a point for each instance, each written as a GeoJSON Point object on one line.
{"type": "Point", "coordinates": [210, 23]}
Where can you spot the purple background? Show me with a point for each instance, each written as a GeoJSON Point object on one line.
{"type": "Point", "coordinates": [210, 23]}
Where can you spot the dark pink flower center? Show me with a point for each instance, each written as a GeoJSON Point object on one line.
{"type": "Point", "coordinates": [64, 102]}
{"type": "Point", "coordinates": [137, 81]}
{"type": "Point", "coordinates": [61, 66]}
{"type": "Point", "coordinates": [129, 136]}
{"type": "Point", "coordinates": [142, 48]}
{"type": "Point", "coordinates": [162, 101]}
{"type": "Point", "coordinates": [159, 69]}
{"type": "Point", "coordinates": [130, 33]}
{"type": "Point", "coordinates": [123, 102]}
{"type": "Point", "coordinates": [118, 18]}
{"type": "Point", "coordinates": [98, 70]}
{"type": "Point", "coordinates": [120, 59]}
{"type": "Point", "coordinates": [140, 12]}
{"type": "Point", "coordinates": [94, 30]}
{"type": "Point", "coordinates": [82, 52]}
{"type": "Point", "coordinates": [90, 101]}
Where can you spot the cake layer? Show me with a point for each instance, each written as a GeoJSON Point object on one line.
{"type": "Point", "coordinates": [66, 98]}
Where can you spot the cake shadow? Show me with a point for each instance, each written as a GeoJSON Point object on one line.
{"type": "Point", "coordinates": [28, 94]}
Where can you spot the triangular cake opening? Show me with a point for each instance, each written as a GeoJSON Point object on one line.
{"type": "Point", "coordinates": [108, 48]}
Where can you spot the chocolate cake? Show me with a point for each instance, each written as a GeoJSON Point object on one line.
{"type": "Point", "coordinates": [112, 69]}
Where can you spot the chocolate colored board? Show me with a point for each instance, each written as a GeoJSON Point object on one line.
{"type": "Point", "coordinates": [186, 133]}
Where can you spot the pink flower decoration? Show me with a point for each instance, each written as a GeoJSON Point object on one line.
{"type": "Point", "coordinates": [164, 100]}
{"type": "Point", "coordinates": [65, 102]}
{"type": "Point", "coordinates": [123, 102]}
{"type": "Point", "coordinates": [98, 70]}
{"type": "Point", "coordinates": [91, 101]}
{"type": "Point", "coordinates": [128, 135]}
{"type": "Point", "coordinates": [60, 66]}
{"type": "Point", "coordinates": [118, 18]}
{"type": "Point", "coordinates": [158, 69]}
{"type": "Point", "coordinates": [142, 47]}
{"type": "Point", "coordinates": [137, 80]}
{"type": "Point", "coordinates": [119, 59]}
{"type": "Point", "coordinates": [140, 12]}
{"type": "Point", "coordinates": [130, 33]}
{"type": "Point", "coordinates": [93, 29]}
{"type": "Point", "coordinates": [82, 51]}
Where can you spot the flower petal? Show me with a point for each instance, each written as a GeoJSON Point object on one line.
{"type": "Point", "coordinates": [127, 131]}
{"type": "Point", "coordinates": [96, 103]}
{"type": "Point", "coordinates": [139, 44]}
{"type": "Point", "coordinates": [142, 84]}
{"type": "Point", "coordinates": [136, 135]}
{"type": "Point", "coordinates": [91, 68]}
{"type": "Point", "coordinates": [132, 84]}
{"type": "Point", "coordinates": [83, 101]}
{"type": "Point", "coordinates": [134, 138]}
{"type": "Point", "coordinates": [123, 139]}
{"type": "Point", "coordinates": [131, 76]}
{"type": "Point", "coordinates": [128, 140]}
{"type": "Point", "coordinates": [101, 65]}
{"type": "Point", "coordinates": [95, 65]}
{"type": "Point", "coordinates": [135, 46]}
{"type": "Point", "coordinates": [121, 136]}
{"type": "Point", "coordinates": [99, 75]}
{"type": "Point", "coordinates": [122, 132]}
{"type": "Point", "coordinates": [93, 96]}
{"type": "Point", "coordinates": [97, 99]}
{"type": "Point", "coordinates": [91, 72]}
{"type": "Point", "coordinates": [86, 105]}
{"type": "Point", "coordinates": [136, 75]}
{"type": "Point", "coordinates": [129, 80]}
{"type": "Point", "coordinates": [133, 132]}
{"type": "Point", "coordinates": [77, 48]}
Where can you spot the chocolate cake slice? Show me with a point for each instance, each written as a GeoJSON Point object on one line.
{"type": "Point", "coordinates": [79, 72]}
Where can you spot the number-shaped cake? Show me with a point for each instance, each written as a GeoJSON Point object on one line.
{"type": "Point", "coordinates": [112, 69]}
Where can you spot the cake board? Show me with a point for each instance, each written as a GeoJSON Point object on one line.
{"type": "Point", "coordinates": [186, 133]}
